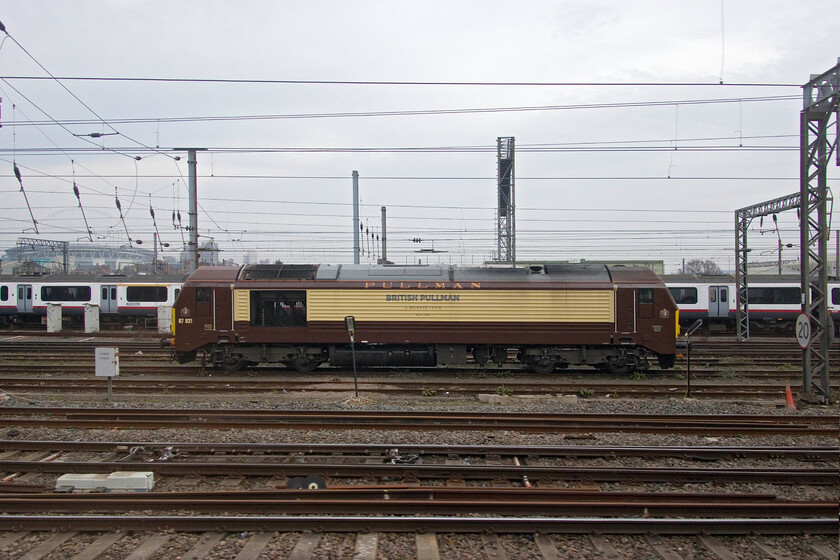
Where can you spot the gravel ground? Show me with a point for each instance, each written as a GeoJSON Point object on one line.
{"type": "Point", "coordinates": [451, 546]}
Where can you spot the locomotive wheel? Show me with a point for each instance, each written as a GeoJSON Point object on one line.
{"type": "Point", "coordinates": [618, 367]}
{"type": "Point", "coordinates": [303, 364]}
{"type": "Point", "coordinates": [233, 363]}
{"type": "Point", "coordinates": [542, 364]}
{"type": "Point", "coordinates": [481, 354]}
{"type": "Point", "coordinates": [666, 361]}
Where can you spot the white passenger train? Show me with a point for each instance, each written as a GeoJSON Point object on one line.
{"type": "Point", "coordinates": [774, 301]}
{"type": "Point", "coordinates": [24, 298]}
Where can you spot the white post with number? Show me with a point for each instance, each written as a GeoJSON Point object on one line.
{"type": "Point", "coordinates": [803, 331]}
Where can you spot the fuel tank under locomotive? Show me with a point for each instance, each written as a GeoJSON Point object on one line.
{"type": "Point", "coordinates": [383, 356]}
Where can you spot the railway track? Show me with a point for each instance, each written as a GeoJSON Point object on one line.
{"type": "Point", "coordinates": [705, 369]}
{"type": "Point", "coordinates": [537, 464]}
{"type": "Point", "coordinates": [153, 418]}
{"type": "Point", "coordinates": [478, 491]}
{"type": "Point", "coordinates": [313, 451]}
{"type": "Point", "coordinates": [397, 500]}
{"type": "Point", "coordinates": [770, 389]}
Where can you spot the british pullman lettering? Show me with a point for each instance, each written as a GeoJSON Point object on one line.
{"type": "Point", "coordinates": [422, 297]}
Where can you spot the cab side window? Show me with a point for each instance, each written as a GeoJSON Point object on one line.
{"type": "Point", "coordinates": [275, 308]}
{"type": "Point", "coordinates": [202, 302]}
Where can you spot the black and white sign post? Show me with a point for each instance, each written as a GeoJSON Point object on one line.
{"type": "Point", "coordinates": [350, 323]}
{"type": "Point", "coordinates": [696, 325]}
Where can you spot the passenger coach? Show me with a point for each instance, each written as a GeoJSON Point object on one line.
{"type": "Point", "coordinates": [550, 316]}
{"type": "Point", "coordinates": [774, 301]}
{"type": "Point", "coordinates": [24, 298]}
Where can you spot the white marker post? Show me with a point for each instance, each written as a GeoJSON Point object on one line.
{"type": "Point", "coordinates": [108, 365]}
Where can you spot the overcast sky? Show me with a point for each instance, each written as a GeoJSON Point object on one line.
{"type": "Point", "coordinates": [597, 172]}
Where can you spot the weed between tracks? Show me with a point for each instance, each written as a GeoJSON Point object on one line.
{"type": "Point", "coordinates": [735, 361]}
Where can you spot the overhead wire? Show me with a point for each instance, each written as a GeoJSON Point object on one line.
{"type": "Point", "coordinates": [428, 150]}
{"type": "Point", "coordinates": [428, 112]}
{"type": "Point", "coordinates": [410, 82]}
{"type": "Point", "coordinates": [54, 121]}
{"type": "Point", "coordinates": [76, 97]}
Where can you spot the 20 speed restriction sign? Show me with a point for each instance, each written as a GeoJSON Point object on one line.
{"type": "Point", "coordinates": [803, 330]}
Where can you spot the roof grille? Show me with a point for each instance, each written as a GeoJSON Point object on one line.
{"type": "Point", "coordinates": [280, 271]}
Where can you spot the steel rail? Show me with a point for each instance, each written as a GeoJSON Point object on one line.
{"type": "Point", "coordinates": [814, 476]}
{"type": "Point", "coordinates": [424, 524]}
{"type": "Point", "coordinates": [238, 418]}
{"type": "Point", "coordinates": [429, 501]}
{"type": "Point", "coordinates": [140, 377]}
{"type": "Point", "coordinates": [687, 419]}
{"type": "Point", "coordinates": [197, 385]}
{"type": "Point", "coordinates": [529, 451]}
{"type": "Point", "coordinates": [477, 494]}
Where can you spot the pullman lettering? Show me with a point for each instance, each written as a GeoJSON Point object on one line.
{"type": "Point", "coordinates": [424, 285]}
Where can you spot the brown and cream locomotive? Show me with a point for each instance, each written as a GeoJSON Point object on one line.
{"type": "Point", "coordinates": [612, 317]}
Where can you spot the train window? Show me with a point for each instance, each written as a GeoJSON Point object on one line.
{"type": "Point", "coordinates": [4, 293]}
{"type": "Point", "coordinates": [65, 293]}
{"type": "Point", "coordinates": [782, 296]}
{"type": "Point", "coordinates": [835, 296]}
{"type": "Point", "coordinates": [146, 293]}
{"type": "Point", "coordinates": [684, 296]}
{"type": "Point", "coordinates": [645, 295]}
{"type": "Point", "coordinates": [202, 295]}
{"type": "Point", "coordinates": [104, 293]}
{"type": "Point", "coordinates": [274, 308]}
{"type": "Point", "coordinates": [177, 291]}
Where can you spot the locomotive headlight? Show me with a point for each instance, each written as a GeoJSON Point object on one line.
{"type": "Point", "coordinates": [664, 314]}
